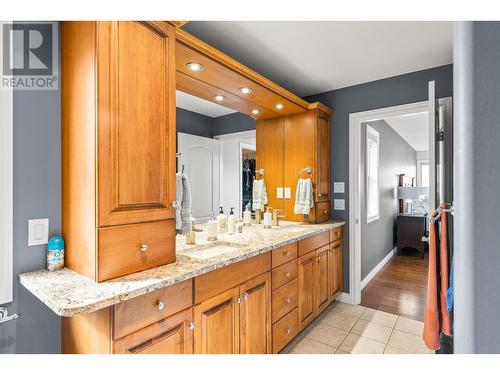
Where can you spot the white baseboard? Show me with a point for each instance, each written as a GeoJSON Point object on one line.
{"type": "Point", "coordinates": [344, 297]}
{"type": "Point", "coordinates": [377, 268]}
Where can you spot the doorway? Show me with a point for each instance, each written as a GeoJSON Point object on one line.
{"type": "Point", "coordinates": [360, 277]}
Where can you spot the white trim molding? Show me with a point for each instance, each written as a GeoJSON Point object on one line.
{"type": "Point", "coordinates": [6, 194]}
{"type": "Point", "coordinates": [343, 297]}
{"type": "Point", "coordinates": [377, 268]}
{"type": "Point", "coordinates": [247, 136]}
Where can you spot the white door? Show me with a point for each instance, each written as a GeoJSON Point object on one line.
{"type": "Point", "coordinates": [433, 127]}
{"type": "Point", "coordinates": [200, 157]}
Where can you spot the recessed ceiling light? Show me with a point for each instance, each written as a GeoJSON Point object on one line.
{"type": "Point", "coordinates": [255, 111]}
{"type": "Point", "coordinates": [194, 66]}
{"type": "Point", "coordinates": [219, 98]}
{"type": "Point", "coordinates": [245, 90]}
{"type": "Point", "coordinates": [279, 106]}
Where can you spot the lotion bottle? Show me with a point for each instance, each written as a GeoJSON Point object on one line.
{"type": "Point", "coordinates": [212, 228]}
{"type": "Point", "coordinates": [221, 221]}
{"type": "Point", "coordinates": [268, 219]}
{"type": "Point", "coordinates": [247, 217]}
{"type": "Point", "coordinates": [231, 221]}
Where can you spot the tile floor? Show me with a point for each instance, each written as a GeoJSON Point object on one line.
{"type": "Point", "coordinates": [349, 329]}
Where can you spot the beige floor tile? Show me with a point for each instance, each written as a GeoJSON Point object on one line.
{"type": "Point", "coordinates": [372, 331]}
{"type": "Point", "coordinates": [379, 317]}
{"type": "Point", "coordinates": [327, 335]}
{"type": "Point", "coordinates": [409, 326]}
{"type": "Point", "coordinates": [341, 352]}
{"type": "Point", "coordinates": [393, 350]}
{"type": "Point", "coordinates": [339, 320]}
{"type": "Point", "coordinates": [356, 344]}
{"type": "Point", "coordinates": [407, 341]}
{"type": "Point", "coordinates": [345, 308]}
{"type": "Point", "coordinates": [308, 346]}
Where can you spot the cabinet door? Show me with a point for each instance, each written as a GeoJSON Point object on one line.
{"type": "Point", "coordinates": [136, 122]}
{"type": "Point", "coordinates": [255, 316]}
{"type": "Point", "coordinates": [321, 295]}
{"type": "Point", "coordinates": [323, 157]}
{"type": "Point", "coordinates": [169, 336]}
{"type": "Point", "coordinates": [307, 286]}
{"type": "Point", "coordinates": [335, 268]}
{"type": "Point", "coordinates": [217, 324]}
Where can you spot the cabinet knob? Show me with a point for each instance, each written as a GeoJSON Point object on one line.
{"type": "Point", "coordinates": [144, 247]}
{"type": "Point", "coordinates": [338, 233]}
{"type": "Point", "coordinates": [238, 300]}
{"type": "Point", "coordinates": [288, 331]}
{"type": "Point", "coordinates": [288, 274]}
{"type": "Point", "coordinates": [288, 300]}
{"type": "Point", "coordinates": [286, 253]}
{"type": "Point", "coordinates": [319, 195]}
{"type": "Point", "coordinates": [325, 211]}
{"type": "Point", "coordinates": [160, 305]}
{"type": "Point", "coordinates": [245, 296]}
{"type": "Point", "coordinates": [191, 325]}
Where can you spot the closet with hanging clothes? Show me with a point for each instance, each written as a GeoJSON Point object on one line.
{"type": "Point", "coordinates": [248, 175]}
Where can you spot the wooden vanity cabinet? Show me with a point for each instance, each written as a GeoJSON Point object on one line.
{"type": "Point", "coordinates": [118, 146]}
{"type": "Point", "coordinates": [288, 144]}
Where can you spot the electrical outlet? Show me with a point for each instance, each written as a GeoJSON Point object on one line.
{"type": "Point", "coordinates": [38, 232]}
{"type": "Point", "coordinates": [288, 193]}
{"type": "Point", "coordinates": [338, 187]}
{"type": "Point", "coordinates": [279, 192]}
{"type": "Point", "coordinates": [339, 204]}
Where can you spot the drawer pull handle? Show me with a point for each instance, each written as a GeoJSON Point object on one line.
{"type": "Point", "coordinates": [288, 331]}
{"type": "Point", "coordinates": [288, 300]}
{"type": "Point", "coordinates": [160, 305]}
{"type": "Point", "coordinates": [288, 274]}
{"type": "Point", "coordinates": [144, 247]}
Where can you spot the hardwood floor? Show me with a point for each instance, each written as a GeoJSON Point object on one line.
{"type": "Point", "coordinates": [400, 287]}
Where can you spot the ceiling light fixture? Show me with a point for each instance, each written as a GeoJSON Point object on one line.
{"type": "Point", "coordinates": [245, 90]}
{"type": "Point", "coordinates": [194, 66]}
{"type": "Point", "coordinates": [219, 98]}
{"type": "Point", "coordinates": [279, 106]}
{"type": "Point", "coordinates": [255, 111]}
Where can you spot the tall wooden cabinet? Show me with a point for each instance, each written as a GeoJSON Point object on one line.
{"type": "Point", "coordinates": [118, 146]}
{"type": "Point", "coordinates": [287, 145]}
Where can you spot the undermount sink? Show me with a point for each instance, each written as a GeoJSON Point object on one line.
{"type": "Point", "coordinates": [213, 251]}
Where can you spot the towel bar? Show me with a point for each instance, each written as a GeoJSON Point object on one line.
{"type": "Point", "coordinates": [5, 317]}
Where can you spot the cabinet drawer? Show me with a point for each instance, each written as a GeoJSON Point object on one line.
{"type": "Point", "coordinates": [312, 243]}
{"type": "Point", "coordinates": [322, 211]}
{"type": "Point", "coordinates": [336, 233]}
{"type": "Point", "coordinates": [139, 312]}
{"type": "Point", "coordinates": [168, 336]}
{"type": "Point", "coordinates": [284, 254]}
{"type": "Point", "coordinates": [285, 330]}
{"type": "Point", "coordinates": [284, 300]}
{"type": "Point", "coordinates": [132, 248]}
{"type": "Point", "coordinates": [284, 274]}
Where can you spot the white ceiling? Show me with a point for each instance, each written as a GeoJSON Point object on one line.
{"type": "Point", "coordinates": [198, 105]}
{"type": "Point", "coordinates": [413, 128]}
{"type": "Point", "coordinates": [313, 57]}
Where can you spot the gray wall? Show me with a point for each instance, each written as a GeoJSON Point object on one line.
{"type": "Point", "coordinates": [396, 156]}
{"type": "Point", "coordinates": [476, 184]}
{"type": "Point", "coordinates": [403, 89]}
{"type": "Point", "coordinates": [235, 122]}
{"type": "Point", "coordinates": [37, 194]}
{"type": "Point", "coordinates": [194, 123]}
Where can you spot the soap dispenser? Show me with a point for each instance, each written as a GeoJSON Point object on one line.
{"type": "Point", "coordinates": [268, 218]}
{"type": "Point", "coordinates": [231, 222]}
{"type": "Point", "coordinates": [221, 221]}
{"type": "Point", "coordinates": [247, 217]}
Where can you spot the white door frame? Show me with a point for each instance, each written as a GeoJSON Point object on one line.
{"type": "Point", "coordinates": [355, 180]}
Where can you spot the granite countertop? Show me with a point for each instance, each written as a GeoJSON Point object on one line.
{"type": "Point", "coordinates": [68, 293]}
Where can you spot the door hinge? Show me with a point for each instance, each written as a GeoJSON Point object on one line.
{"type": "Point", "coordinates": [440, 136]}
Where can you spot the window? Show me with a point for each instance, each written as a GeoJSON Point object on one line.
{"type": "Point", "coordinates": [372, 174]}
{"type": "Point", "coordinates": [423, 173]}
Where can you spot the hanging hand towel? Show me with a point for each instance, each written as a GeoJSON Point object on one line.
{"type": "Point", "coordinates": [182, 204]}
{"type": "Point", "coordinates": [259, 194]}
{"type": "Point", "coordinates": [303, 197]}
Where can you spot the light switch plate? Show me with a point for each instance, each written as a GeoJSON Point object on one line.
{"type": "Point", "coordinates": [288, 193]}
{"type": "Point", "coordinates": [339, 204]}
{"type": "Point", "coordinates": [279, 192]}
{"type": "Point", "coordinates": [339, 187]}
{"type": "Point", "coordinates": [38, 232]}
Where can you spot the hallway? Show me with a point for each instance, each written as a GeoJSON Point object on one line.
{"type": "Point", "coordinates": [400, 287]}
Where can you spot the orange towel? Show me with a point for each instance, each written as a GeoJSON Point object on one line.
{"type": "Point", "coordinates": [432, 322]}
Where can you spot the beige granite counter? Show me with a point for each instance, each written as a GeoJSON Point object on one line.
{"type": "Point", "coordinates": [68, 293]}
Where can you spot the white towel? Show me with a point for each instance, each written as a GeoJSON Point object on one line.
{"type": "Point", "coordinates": [303, 197]}
{"type": "Point", "coordinates": [259, 194]}
{"type": "Point", "coordinates": [182, 204]}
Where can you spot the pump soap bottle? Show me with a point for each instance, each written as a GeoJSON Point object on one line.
{"type": "Point", "coordinates": [221, 221]}
{"type": "Point", "coordinates": [231, 222]}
